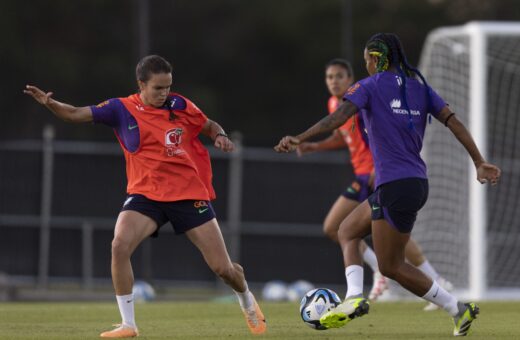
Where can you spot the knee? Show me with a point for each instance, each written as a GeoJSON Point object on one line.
{"type": "Point", "coordinates": [344, 236]}
{"type": "Point", "coordinates": [388, 270]}
{"type": "Point", "coordinates": [120, 248]}
{"type": "Point", "coordinates": [330, 230]}
{"type": "Point", "coordinates": [225, 272]}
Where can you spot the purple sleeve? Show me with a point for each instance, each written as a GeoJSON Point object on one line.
{"type": "Point", "coordinates": [437, 103]}
{"type": "Point", "coordinates": [106, 113]}
{"type": "Point", "coordinates": [358, 95]}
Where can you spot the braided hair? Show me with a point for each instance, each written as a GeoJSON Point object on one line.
{"type": "Point", "coordinates": [387, 47]}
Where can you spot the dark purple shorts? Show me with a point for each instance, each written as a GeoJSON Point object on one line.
{"type": "Point", "coordinates": [183, 215]}
{"type": "Point", "coordinates": [399, 201]}
{"type": "Point", "coordinates": [359, 190]}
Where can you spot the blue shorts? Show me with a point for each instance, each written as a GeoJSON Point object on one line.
{"type": "Point", "coordinates": [183, 215]}
{"type": "Point", "coordinates": [359, 190]}
{"type": "Point", "coordinates": [399, 201]}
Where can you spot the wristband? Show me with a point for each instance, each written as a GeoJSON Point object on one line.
{"type": "Point", "coordinates": [446, 121]}
{"type": "Point", "coordinates": [223, 134]}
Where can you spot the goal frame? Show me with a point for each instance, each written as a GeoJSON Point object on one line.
{"type": "Point", "coordinates": [478, 34]}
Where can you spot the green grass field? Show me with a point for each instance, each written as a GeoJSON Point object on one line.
{"type": "Point", "coordinates": [199, 320]}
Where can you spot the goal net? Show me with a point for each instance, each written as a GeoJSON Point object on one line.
{"type": "Point", "coordinates": [470, 232]}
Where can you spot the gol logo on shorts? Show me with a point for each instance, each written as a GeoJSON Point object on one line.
{"type": "Point", "coordinates": [200, 204]}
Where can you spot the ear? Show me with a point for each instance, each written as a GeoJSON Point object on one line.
{"type": "Point", "coordinates": [141, 85]}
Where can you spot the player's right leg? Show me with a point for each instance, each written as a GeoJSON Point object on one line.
{"type": "Point", "coordinates": [351, 232]}
{"type": "Point", "coordinates": [416, 257]}
{"type": "Point", "coordinates": [208, 239]}
{"type": "Point", "coordinates": [131, 229]}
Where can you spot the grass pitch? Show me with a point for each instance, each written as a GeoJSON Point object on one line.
{"type": "Point", "coordinates": [211, 320]}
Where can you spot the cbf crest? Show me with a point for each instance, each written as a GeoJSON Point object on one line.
{"type": "Point", "coordinates": [173, 137]}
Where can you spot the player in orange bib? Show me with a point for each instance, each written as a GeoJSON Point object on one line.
{"type": "Point", "coordinates": [338, 78]}
{"type": "Point", "coordinates": [169, 180]}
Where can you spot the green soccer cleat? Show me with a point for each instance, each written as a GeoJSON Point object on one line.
{"type": "Point", "coordinates": [344, 312]}
{"type": "Point", "coordinates": [464, 319]}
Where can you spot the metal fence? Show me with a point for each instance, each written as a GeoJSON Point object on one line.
{"type": "Point", "coordinates": [59, 201]}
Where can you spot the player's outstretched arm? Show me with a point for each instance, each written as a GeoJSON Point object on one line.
{"type": "Point", "coordinates": [63, 111]}
{"type": "Point", "coordinates": [221, 140]}
{"type": "Point", "coordinates": [486, 172]}
{"type": "Point", "coordinates": [327, 124]}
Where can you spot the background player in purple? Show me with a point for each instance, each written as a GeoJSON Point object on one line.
{"type": "Point", "coordinates": [394, 106]}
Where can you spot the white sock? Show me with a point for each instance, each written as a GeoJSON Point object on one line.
{"type": "Point", "coordinates": [126, 308]}
{"type": "Point", "coordinates": [370, 258]}
{"type": "Point", "coordinates": [428, 269]}
{"type": "Point", "coordinates": [442, 298]}
{"type": "Point", "coordinates": [354, 275]}
{"type": "Point", "coordinates": [245, 299]}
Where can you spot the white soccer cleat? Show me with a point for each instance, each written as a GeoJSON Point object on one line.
{"type": "Point", "coordinates": [444, 284]}
{"type": "Point", "coordinates": [379, 285]}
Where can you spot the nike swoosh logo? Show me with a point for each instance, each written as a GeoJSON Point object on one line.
{"type": "Point", "coordinates": [349, 273]}
{"type": "Point", "coordinates": [375, 207]}
{"type": "Point", "coordinates": [128, 301]}
{"type": "Point", "coordinates": [130, 127]}
{"type": "Point", "coordinates": [351, 190]}
{"type": "Point", "coordinates": [202, 210]}
{"type": "Point", "coordinates": [435, 295]}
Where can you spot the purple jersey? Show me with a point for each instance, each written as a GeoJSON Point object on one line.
{"type": "Point", "coordinates": [395, 146]}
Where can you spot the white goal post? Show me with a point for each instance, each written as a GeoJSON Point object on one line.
{"type": "Point", "coordinates": [471, 232]}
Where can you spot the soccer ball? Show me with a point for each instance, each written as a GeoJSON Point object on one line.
{"type": "Point", "coordinates": [143, 291]}
{"type": "Point", "coordinates": [315, 303]}
{"type": "Point", "coordinates": [297, 290]}
{"type": "Point", "coordinates": [275, 290]}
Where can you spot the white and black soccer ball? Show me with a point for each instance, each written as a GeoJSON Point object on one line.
{"type": "Point", "coordinates": [315, 303]}
{"type": "Point", "coordinates": [143, 291]}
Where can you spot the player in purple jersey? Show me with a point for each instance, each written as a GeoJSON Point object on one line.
{"type": "Point", "coordinates": [339, 76]}
{"type": "Point", "coordinates": [394, 106]}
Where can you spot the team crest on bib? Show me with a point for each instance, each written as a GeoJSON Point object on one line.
{"type": "Point", "coordinates": [173, 137]}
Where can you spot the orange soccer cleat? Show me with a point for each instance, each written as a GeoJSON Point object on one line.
{"type": "Point", "coordinates": [121, 331]}
{"type": "Point", "coordinates": [255, 318]}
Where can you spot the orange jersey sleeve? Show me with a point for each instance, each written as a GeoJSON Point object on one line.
{"type": "Point", "coordinates": [355, 137]}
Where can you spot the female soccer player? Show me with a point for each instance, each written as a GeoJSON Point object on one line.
{"type": "Point", "coordinates": [339, 76]}
{"type": "Point", "coordinates": [394, 106]}
{"type": "Point", "coordinates": [169, 179]}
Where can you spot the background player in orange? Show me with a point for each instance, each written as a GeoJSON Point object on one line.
{"type": "Point", "coordinates": [339, 76]}
{"type": "Point", "coordinates": [169, 179]}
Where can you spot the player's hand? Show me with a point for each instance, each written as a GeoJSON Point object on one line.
{"type": "Point", "coordinates": [38, 95]}
{"type": "Point", "coordinates": [306, 147]}
{"type": "Point", "coordinates": [224, 143]}
{"type": "Point", "coordinates": [287, 144]}
{"type": "Point", "coordinates": [487, 172]}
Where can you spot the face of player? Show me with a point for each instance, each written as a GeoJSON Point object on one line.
{"type": "Point", "coordinates": [155, 90]}
{"type": "Point", "coordinates": [371, 62]}
{"type": "Point", "coordinates": [337, 79]}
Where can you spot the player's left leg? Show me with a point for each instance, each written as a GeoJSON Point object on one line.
{"type": "Point", "coordinates": [416, 257]}
{"type": "Point", "coordinates": [389, 244]}
{"type": "Point", "coordinates": [208, 239]}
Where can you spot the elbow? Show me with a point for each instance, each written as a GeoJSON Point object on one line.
{"type": "Point", "coordinates": [67, 119]}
